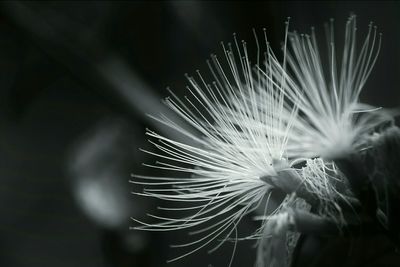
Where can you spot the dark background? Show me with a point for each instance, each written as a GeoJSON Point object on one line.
{"type": "Point", "coordinates": [76, 79]}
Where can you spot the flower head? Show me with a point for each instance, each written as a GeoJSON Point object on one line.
{"type": "Point", "coordinates": [333, 122]}
{"type": "Point", "coordinates": [221, 170]}
{"type": "Point", "coordinates": [253, 124]}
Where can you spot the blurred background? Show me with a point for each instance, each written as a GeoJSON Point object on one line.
{"type": "Point", "coordinates": [76, 79]}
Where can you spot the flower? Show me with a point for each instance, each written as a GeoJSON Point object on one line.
{"type": "Point", "coordinates": [333, 121]}
{"type": "Point", "coordinates": [254, 124]}
{"type": "Point", "coordinates": [222, 168]}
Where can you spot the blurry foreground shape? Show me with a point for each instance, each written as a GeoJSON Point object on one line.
{"type": "Point", "coordinates": [99, 167]}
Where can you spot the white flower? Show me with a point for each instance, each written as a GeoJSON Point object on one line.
{"type": "Point", "coordinates": [221, 170]}
{"type": "Point", "coordinates": [333, 122]}
{"type": "Point", "coordinates": [254, 123]}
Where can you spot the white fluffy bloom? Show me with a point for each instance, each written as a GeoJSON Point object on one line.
{"type": "Point", "coordinates": [221, 170]}
{"type": "Point", "coordinates": [255, 122]}
{"type": "Point", "coordinates": [333, 122]}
